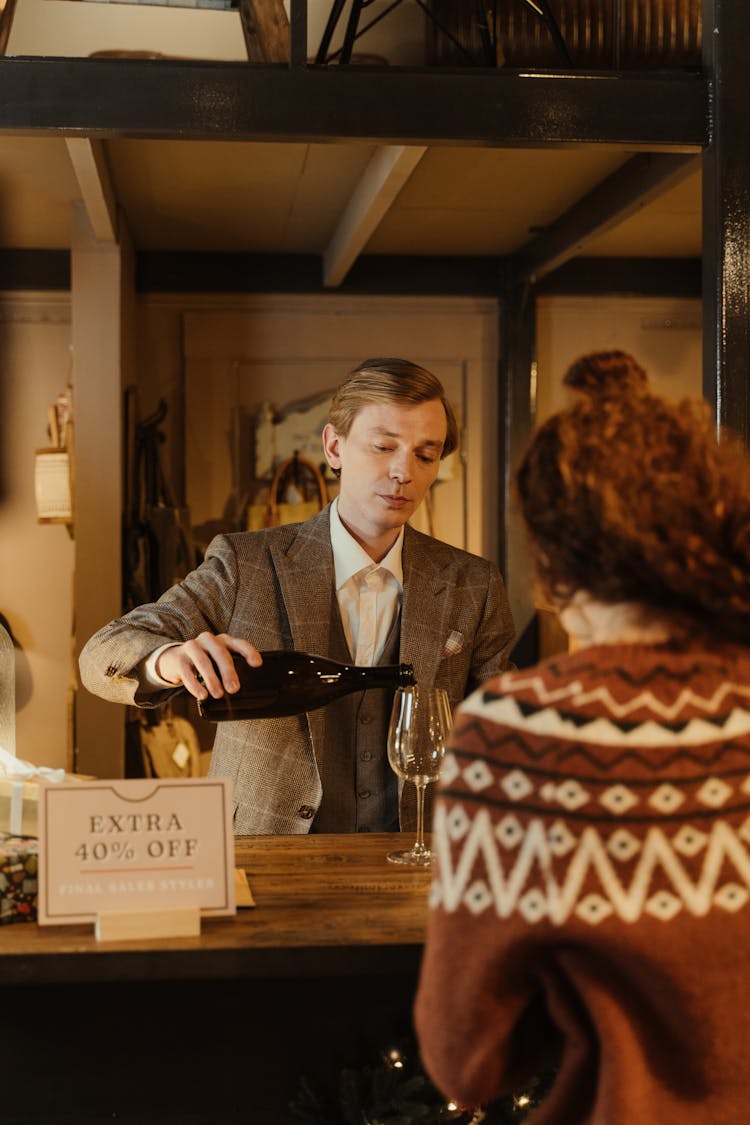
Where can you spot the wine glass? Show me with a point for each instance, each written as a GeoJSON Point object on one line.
{"type": "Point", "coordinates": [420, 722]}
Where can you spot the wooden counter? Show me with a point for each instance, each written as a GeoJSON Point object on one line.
{"type": "Point", "coordinates": [321, 971]}
{"type": "Point", "coordinates": [334, 901]}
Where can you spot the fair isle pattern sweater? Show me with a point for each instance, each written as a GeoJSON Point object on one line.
{"type": "Point", "coordinates": [590, 894]}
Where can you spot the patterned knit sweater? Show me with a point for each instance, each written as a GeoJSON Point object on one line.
{"type": "Point", "coordinates": [590, 901]}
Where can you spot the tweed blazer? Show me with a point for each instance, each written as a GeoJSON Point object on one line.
{"type": "Point", "coordinates": [276, 588]}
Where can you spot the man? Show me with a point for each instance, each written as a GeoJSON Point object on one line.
{"type": "Point", "coordinates": [353, 583]}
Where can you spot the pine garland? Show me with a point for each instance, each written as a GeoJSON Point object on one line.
{"type": "Point", "coordinates": [394, 1090]}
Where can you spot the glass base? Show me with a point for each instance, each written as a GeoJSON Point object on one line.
{"type": "Point", "coordinates": [411, 857]}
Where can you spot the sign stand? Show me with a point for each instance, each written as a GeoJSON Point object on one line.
{"type": "Point", "coordinates": [242, 893]}
{"type": "Point", "coordinates": [132, 925]}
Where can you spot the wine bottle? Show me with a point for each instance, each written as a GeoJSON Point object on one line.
{"type": "Point", "coordinates": [289, 683]}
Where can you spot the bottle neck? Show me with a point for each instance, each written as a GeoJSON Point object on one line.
{"type": "Point", "coordinates": [387, 675]}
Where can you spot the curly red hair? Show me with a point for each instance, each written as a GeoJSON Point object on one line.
{"type": "Point", "coordinates": [634, 499]}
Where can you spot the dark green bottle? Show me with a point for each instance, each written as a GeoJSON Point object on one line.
{"type": "Point", "coordinates": [290, 683]}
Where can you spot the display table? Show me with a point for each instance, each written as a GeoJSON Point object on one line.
{"type": "Point", "coordinates": [219, 1027]}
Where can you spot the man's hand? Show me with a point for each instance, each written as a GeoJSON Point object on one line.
{"type": "Point", "coordinates": [209, 657]}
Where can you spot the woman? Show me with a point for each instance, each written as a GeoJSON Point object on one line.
{"type": "Point", "coordinates": [590, 905]}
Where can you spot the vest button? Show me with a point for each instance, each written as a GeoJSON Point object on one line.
{"type": "Point", "coordinates": [366, 756]}
{"type": "Point", "coordinates": [306, 812]}
{"type": "Point", "coordinates": [363, 793]}
{"type": "Point", "coordinates": [365, 718]}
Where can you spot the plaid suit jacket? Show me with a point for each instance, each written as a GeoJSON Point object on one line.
{"type": "Point", "coordinates": [275, 587]}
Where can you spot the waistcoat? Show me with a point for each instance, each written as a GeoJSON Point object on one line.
{"type": "Point", "coordinates": [360, 790]}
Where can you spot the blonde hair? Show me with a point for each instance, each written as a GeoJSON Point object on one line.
{"type": "Point", "coordinates": [390, 380]}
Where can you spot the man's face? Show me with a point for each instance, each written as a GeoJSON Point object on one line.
{"type": "Point", "coordinates": [388, 461]}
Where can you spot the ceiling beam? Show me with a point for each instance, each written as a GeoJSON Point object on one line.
{"type": "Point", "coordinates": [386, 173]}
{"type": "Point", "coordinates": [198, 272]}
{"type": "Point", "coordinates": [440, 275]}
{"type": "Point", "coordinates": [253, 101]}
{"type": "Point", "coordinates": [92, 172]}
{"type": "Point", "coordinates": [625, 277]}
{"type": "Point", "coordinates": [621, 194]}
{"type": "Point", "coordinates": [34, 269]}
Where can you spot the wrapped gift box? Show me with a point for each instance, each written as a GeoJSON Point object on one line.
{"type": "Point", "coordinates": [19, 805]}
{"type": "Point", "coordinates": [19, 864]}
{"type": "Point", "coordinates": [19, 800]}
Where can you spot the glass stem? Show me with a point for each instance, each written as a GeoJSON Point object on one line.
{"type": "Point", "coordinates": [419, 847]}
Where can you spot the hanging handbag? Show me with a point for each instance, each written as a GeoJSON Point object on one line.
{"type": "Point", "coordinates": [170, 747]}
{"type": "Point", "coordinates": [297, 492]}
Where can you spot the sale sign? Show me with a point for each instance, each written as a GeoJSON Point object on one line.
{"type": "Point", "coordinates": [139, 845]}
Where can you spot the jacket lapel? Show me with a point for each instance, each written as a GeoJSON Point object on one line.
{"type": "Point", "coordinates": [428, 597]}
{"type": "Point", "coordinates": [305, 574]}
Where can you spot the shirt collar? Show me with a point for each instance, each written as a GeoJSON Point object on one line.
{"type": "Point", "coordinates": [349, 558]}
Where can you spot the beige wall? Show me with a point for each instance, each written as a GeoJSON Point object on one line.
{"type": "Point", "coordinates": [36, 560]}
{"type": "Point", "coordinates": [663, 334]}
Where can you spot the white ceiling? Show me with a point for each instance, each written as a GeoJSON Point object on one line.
{"type": "Point", "coordinates": [290, 198]}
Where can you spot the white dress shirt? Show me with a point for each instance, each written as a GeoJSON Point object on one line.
{"type": "Point", "coordinates": [369, 593]}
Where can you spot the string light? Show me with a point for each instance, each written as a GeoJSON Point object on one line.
{"type": "Point", "coordinates": [394, 1058]}
{"type": "Point", "coordinates": [407, 1087]}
